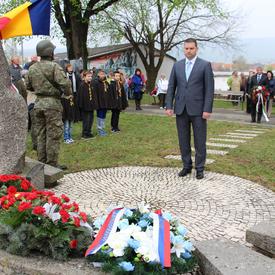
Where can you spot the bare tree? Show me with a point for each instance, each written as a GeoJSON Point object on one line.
{"type": "Point", "coordinates": [155, 27]}
{"type": "Point", "coordinates": [73, 17]}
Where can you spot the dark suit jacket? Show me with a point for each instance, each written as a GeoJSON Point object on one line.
{"type": "Point", "coordinates": [196, 94]}
{"type": "Point", "coordinates": [254, 83]}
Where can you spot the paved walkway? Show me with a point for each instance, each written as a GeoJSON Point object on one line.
{"type": "Point", "coordinates": [218, 114]}
{"type": "Point", "coordinates": [218, 205]}
{"type": "Point", "coordinates": [226, 142]}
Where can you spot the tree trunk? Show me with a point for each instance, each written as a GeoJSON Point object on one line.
{"type": "Point", "coordinates": [78, 42]}
{"type": "Point", "coordinates": [152, 74]}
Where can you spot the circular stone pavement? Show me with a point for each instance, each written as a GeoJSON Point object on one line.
{"type": "Point", "coordinates": [217, 206]}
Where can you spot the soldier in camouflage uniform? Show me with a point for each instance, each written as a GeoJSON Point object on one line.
{"type": "Point", "coordinates": [48, 81]}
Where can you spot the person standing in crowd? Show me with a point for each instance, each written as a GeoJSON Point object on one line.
{"type": "Point", "coordinates": [259, 79]}
{"type": "Point", "coordinates": [118, 100]}
{"type": "Point", "coordinates": [101, 89]}
{"type": "Point", "coordinates": [247, 91]}
{"type": "Point", "coordinates": [87, 104]}
{"type": "Point", "coordinates": [75, 81]}
{"type": "Point", "coordinates": [48, 81]}
{"type": "Point", "coordinates": [16, 77]}
{"type": "Point", "coordinates": [191, 92]}
{"type": "Point", "coordinates": [34, 59]}
{"type": "Point", "coordinates": [68, 117]}
{"type": "Point", "coordinates": [162, 87]}
{"type": "Point", "coordinates": [138, 85]}
{"type": "Point", "coordinates": [271, 89]}
{"type": "Point", "coordinates": [234, 84]}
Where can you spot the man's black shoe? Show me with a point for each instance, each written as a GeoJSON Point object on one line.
{"type": "Point", "coordinates": [184, 172]}
{"type": "Point", "coordinates": [199, 175]}
{"type": "Point", "coordinates": [61, 167]}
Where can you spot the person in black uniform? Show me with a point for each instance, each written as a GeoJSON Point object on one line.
{"type": "Point", "coordinates": [102, 93]}
{"type": "Point", "coordinates": [118, 100]}
{"type": "Point", "coordinates": [87, 104]}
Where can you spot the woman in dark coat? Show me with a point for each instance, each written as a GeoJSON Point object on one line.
{"type": "Point", "coordinates": [87, 104]}
{"type": "Point", "coordinates": [271, 89]}
{"type": "Point", "coordinates": [118, 100]}
{"type": "Point", "coordinates": [137, 86]}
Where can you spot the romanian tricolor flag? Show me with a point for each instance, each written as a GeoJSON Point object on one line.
{"type": "Point", "coordinates": [31, 18]}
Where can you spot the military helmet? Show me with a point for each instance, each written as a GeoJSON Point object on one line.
{"type": "Point", "coordinates": [45, 48]}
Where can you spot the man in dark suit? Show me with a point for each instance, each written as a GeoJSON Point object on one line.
{"type": "Point", "coordinates": [191, 92]}
{"type": "Point", "coordinates": [259, 79]}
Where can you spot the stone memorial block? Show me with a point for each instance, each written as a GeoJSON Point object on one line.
{"type": "Point", "coordinates": [13, 123]}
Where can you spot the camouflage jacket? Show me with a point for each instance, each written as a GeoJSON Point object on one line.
{"type": "Point", "coordinates": [48, 81]}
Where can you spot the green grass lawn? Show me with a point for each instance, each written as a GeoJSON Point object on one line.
{"type": "Point", "coordinates": [145, 140]}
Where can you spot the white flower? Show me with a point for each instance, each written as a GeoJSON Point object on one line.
{"type": "Point", "coordinates": [118, 242]}
{"type": "Point", "coordinates": [131, 229]}
{"type": "Point", "coordinates": [140, 235]}
{"type": "Point", "coordinates": [179, 246]}
{"type": "Point", "coordinates": [146, 249]}
{"type": "Point", "coordinates": [143, 208]}
{"type": "Point", "coordinates": [259, 88]}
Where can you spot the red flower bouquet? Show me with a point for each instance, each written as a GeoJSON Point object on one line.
{"type": "Point", "coordinates": [40, 221]}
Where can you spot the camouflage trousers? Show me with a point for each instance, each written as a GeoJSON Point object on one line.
{"type": "Point", "coordinates": [48, 127]}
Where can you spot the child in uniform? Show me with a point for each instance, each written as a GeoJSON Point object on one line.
{"type": "Point", "coordinates": [101, 89]}
{"type": "Point", "coordinates": [118, 100]}
{"type": "Point", "coordinates": [87, 104]}
{"type": "Point", "coordinates": [68, 117]}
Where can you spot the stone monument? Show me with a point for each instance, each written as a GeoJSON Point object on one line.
{"type": "Point", "coordinates": [13, 123]}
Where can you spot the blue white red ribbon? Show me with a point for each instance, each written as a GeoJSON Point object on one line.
{"type": "Point", "coordinates": [261, 101]}
{"type": "Point", "coordinates": [108, 228]}
{"type": "Point", "coordinates": [161, 238]}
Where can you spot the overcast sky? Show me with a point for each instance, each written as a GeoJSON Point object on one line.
{"type": "Point", "coordinates": [257, 17]}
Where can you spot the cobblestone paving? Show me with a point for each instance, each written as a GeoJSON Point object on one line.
{"type": "Point", "coordinates": [221, 145]}
{"type": "Point", "coordinates": [229, 140]}
{"type": "Point", "coordinates": [178, 157]}
{"type": "Point", "coordinates": [219, 205]}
